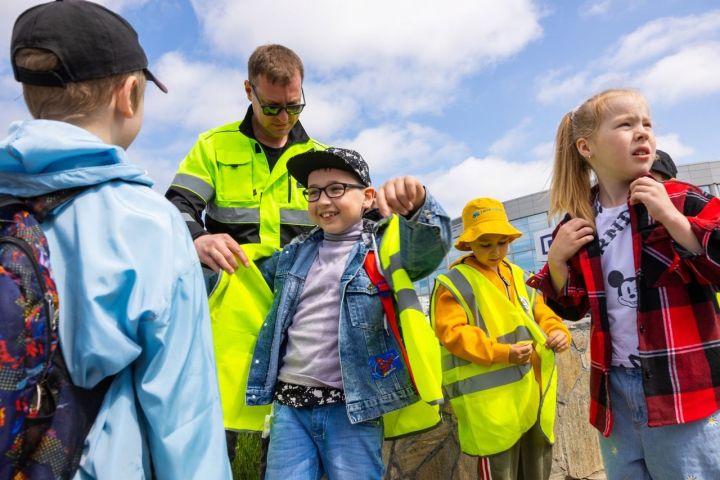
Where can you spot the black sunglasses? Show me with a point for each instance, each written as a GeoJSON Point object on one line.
{"type": "Point", "coordinates": [334, 190]}
{"type": "Point", "coordinates": [273, 110]}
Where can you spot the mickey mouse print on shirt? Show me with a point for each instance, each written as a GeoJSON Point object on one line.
{"type": "Point", "coordinates": [626, 288]}
{"type": "Point", "coordinates": [618, 266]}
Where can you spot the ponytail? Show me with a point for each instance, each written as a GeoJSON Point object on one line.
{"type": "Point", "coordinates": [570, 185]}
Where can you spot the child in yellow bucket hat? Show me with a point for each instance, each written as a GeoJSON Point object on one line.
{"type": "Point", "coordinates": [499, 343]}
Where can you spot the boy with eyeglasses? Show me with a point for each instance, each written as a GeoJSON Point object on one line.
{"type": "Point", "coordinates": [324, 354]}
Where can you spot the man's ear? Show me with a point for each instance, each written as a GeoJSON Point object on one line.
{"type": "Point", "coordinates": [369, 198]}
{"type": "Point", "coordinates": [124, 97]}
{"type": "Point", "coordinates": [248, 90]}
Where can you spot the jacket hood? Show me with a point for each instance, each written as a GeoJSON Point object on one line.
{"type": "Point", "coordinates": [42, 156]}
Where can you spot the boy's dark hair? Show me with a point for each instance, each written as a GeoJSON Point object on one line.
{"type": "Point", "coordinates": [276, 62]}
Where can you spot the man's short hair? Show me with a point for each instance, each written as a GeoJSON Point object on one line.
{"type": "Point", "coordinates": [276, 62]}
{"type": "Point", "coordinates": [75, 100]}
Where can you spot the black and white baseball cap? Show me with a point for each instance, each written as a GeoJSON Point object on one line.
{"type": "Point", "coordinates": [351, 161]}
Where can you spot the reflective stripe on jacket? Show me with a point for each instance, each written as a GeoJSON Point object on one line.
{"type": "Point", "coordinates": [496, 404]}
{"type": "Point", "coordinates": [228, 174]}
{"type": "Point", "coordinates": [423, 349]}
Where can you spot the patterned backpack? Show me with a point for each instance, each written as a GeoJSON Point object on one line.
{"type": "Point", "coordinates": [44, 418]}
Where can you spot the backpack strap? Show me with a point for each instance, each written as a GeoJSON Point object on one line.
{"type": "Point", "coordinates": [386, 297]}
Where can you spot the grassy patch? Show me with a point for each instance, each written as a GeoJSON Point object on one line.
{"type": "Point", "coordinates": [247, 457]}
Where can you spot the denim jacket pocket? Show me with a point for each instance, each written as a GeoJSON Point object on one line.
{"type": "Point", "coordinates": [363, 300]}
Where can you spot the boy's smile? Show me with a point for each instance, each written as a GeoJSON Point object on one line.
{"type": "Point", "coordinates": [336, 215]}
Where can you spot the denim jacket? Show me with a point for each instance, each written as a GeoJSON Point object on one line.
{"type": "Point", "coordinates": [362, 335]}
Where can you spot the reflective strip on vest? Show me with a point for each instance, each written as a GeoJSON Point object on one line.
{"type": "Point", "coordinates": [294, 217]}
{"type": "Point", "coordinates": [466, 292]}
{"type": "Point", "coordinates": [519, 334]}
{"type": "Point", "coordinates": [232, 214]}
{"type": "Point", "coordinates": [490, 420]}
{"type": "Point", "coordinates": [187, 217]}
{"type": "Point", "coordinates": [421, 345]}
{"type": "Point", "coordinates": [488, 380]}
{"type": "Point", "coordinates": [199, 187]}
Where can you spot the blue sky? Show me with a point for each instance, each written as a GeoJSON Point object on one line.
{"type": "Point", "coordinates": [465, 95]}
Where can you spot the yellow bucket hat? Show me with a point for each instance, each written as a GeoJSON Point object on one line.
{"type": "Point", "coordinates": [482, 216]}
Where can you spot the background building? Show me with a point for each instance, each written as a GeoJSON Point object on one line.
{"type": "Point", "coordinates": [529, 214]}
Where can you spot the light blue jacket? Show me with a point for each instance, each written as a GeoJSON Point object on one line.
{"type": "Point", "coordinates": [132, 304]}
{"type": "Point", "coordinates": [363, 338]}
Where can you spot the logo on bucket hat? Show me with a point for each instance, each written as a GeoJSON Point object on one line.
{"type": "Point", "coordinates": [484, 216]}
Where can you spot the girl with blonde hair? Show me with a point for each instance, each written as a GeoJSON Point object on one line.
{"type": "Point", "coordinates": [643, 258]}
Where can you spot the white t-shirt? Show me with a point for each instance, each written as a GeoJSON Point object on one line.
{"type": "Point", "coordinates": [615, 236]}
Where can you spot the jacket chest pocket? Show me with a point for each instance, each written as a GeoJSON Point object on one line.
{"type": "Point", "coordinates": [234, 182]}
{"type": "Point", "coordinates": [364, 305]}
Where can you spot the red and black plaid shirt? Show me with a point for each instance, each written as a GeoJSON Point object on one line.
{"type": "Point", "coordinates": [678, 321]}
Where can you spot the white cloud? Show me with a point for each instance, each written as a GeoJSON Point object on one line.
{"type": "Point", "coordinates": [693, 72]}
{"type": "Point", "coordinates": [487, 177]}
{"type": "Point", "coordinates": [406, 150]}
{"type": "Point", "coordinates": [401, 56]}
{"type": "Point", "coordinates": [596, 9]}
{"type": "Point", "coordinates": [201, 95]}
{"type": "Point", "coordinates": [663, 36]}
{"type": "Point", "coordinates": [669, 59]}
{"type": "Point", "coordinates": [513, 140]}
{"type": "Point", "coordinates": [672, 145]}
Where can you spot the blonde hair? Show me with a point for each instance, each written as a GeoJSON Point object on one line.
{"type": "Point", "coordinates": [76, 100]}
{"type": "Point", "coordinates": [276, 62]}
{"type": "Point", "coordinates": [572, 179]}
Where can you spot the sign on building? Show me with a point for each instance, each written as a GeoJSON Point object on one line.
{"type": "Point", "coordinates": [543, 238]}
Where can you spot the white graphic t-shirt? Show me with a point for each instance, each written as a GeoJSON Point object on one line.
{"type": "Point", "coordinates": [615, 237]}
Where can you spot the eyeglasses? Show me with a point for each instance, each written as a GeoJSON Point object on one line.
{"type": "Point", "coordinates": [274, 110]}
{"type": "Point", "coordinates": [334, 190]}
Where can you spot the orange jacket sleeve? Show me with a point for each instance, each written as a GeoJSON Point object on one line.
{"type": "Point", "coordinates": [461, 338]}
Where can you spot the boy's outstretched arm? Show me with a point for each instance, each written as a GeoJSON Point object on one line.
{"type": "Point", "coordinates": [424, 227]}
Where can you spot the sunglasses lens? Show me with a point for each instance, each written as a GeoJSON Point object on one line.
{"type": "Point", "coordinates": [294, 109]}
{"type": "Point", "coordinates": [271, 110]}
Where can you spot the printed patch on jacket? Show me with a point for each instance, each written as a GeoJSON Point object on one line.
{"type": "Point", "coordinates": [384, 364]}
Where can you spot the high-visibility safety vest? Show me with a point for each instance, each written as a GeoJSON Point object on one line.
{"type": "Point", "coordinates": [239, 304]}
{"type": "Point", "coordinates": [495, 405]}
{"type": "Point", "coordinates": [423, 349]}
{"type": "Point", "coordinates": [230, 172]}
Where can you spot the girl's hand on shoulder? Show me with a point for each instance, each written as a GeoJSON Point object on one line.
{"type": "Point", "coordinates": [557, 341]}
{"type": "Point", "coordinates": [402, 195]}
{"type": "Point", "coordinates": [570, 238]}
{"type": "Point", "coordinates": [653, 195]}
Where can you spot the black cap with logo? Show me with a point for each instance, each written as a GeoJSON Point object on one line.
{"type": "Point", "coordinates": [91, 42]}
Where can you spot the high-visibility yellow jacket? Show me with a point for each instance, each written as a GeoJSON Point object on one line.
{"type": "Point", "coordinates": [496, 403]}
{"type": "Point", "coordinates": [226, 174]}
{"type": "Point", "coordinates": [422, 347]}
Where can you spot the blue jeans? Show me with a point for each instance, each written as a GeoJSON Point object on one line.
{"type": "Point", "coordinates": [635, 451]}
{"type": "Point", "coordinates": [306, 443]}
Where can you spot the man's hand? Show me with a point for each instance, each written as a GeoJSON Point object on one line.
{"type": "Point", "coordinates": [402, 195]}
{"type": "Point", "coordinates": [219, 252]}
{"type": "Point", "coordinates": [557, 341]}
{"type": "Point", "coordinates": [520, 353]}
